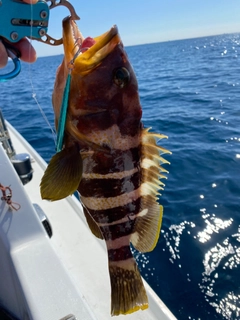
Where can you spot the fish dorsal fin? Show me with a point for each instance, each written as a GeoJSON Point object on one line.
{"type": "Point", "coordinates": [149, 219]}
{"type": "Point", "coordinates": [63, 174]}
{"type": "Point", "coordinates": [92, 224]}
{"type": "Point", "coordinates": [147, 226]}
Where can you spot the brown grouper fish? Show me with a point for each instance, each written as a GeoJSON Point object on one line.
{"type": "Point", "coordinates": [108, 156]}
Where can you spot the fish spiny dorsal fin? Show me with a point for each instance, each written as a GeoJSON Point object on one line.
{"type": "Point", "coordinates": [149, 219]}
{"type": "Point", "coordinates": [153, 152]}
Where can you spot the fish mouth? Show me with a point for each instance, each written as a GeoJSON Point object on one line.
{"type": "Point", "coordinates": [84, 59]}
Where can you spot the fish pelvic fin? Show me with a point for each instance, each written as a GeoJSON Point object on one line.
{"type": "Point", "coordinates": [149, 219]}
{"type": "Point", "coordinates": [63, 174]}
{"type": "Point", "coordinates": [127, 290]}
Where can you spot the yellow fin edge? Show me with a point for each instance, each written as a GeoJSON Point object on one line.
{"type": "Point", "coordinates": [158, 228]}
{"type": "Point", "coordinates": [136, 308]}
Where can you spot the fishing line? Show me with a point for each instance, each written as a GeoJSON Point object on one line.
{"type": "Point", "coordinates": [34, 94]}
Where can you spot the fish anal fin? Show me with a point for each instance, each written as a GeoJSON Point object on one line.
{"type": "Point", "coordinates": [127, 290]}
{"type": "Point", "coordinates": [148, 224]}
{"type": "Point", "coordinates": [63, 174]}
{"type": "Point", "coordinates": [92, 224]}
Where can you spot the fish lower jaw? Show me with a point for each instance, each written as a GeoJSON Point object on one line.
{"type": "Point", "coordinates": [76, 34]}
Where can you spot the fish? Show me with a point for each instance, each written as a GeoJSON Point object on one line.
{"type": "Point", "coordinates": [108, 157]}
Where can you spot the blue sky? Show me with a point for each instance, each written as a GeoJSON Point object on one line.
{"type": "Point", "coordinates": [146, 21]}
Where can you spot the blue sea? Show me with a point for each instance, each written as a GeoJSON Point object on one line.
{"type": "Point", "coordinates": [190, 91]}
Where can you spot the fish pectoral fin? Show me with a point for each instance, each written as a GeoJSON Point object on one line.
{"type": "Point", "coordinates": [147, 226]}
{"type": "Point", "coordinates": [127, 290]}
{"type": "Point", "coordinates": [63, 174]}
{"type": "Point", "coordinates": [92, 224]}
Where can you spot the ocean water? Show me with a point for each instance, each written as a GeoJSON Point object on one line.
{"type": "Point", "coordinates": [190, 91]}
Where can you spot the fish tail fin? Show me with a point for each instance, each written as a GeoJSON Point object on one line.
{"type": "Point", "coordinates": [127, 290]}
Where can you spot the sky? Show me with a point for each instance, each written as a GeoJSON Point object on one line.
{"type": "Point", "coordinates": [147, 21]}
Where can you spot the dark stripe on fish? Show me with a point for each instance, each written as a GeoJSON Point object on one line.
{"type": "Point", "coordinates": [120, 254]}
{"type": "Point", "coordinates": [109, 187]}
{"type": "Point", "coordinates": [115, 231]}
{"type": "Point", "coordinates": [114, 161]}
{"type": "Point", "coordinates": [117, 213]}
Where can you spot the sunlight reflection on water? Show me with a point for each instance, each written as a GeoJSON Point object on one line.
{"type": "Point", "coordinates": [219, 256]}
{"type": "Point", "coordinates": [213, 225]}
{"type": "Point", "coordinates": [223, 255]}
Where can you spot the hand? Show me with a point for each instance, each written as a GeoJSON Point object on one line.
{"type": "Point", "coordinates": [28, 53]}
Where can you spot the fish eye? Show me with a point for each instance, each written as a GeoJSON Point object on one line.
{"type": "Point", "coordinates": [121, 77]}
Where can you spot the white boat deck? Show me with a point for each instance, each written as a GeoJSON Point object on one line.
{"type": "Point", "coordinates": [66, 274]}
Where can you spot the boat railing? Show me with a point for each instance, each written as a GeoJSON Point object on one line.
{"type": "Point", "coordinates": [21, 161]}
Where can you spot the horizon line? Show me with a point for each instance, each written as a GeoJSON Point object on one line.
{"type": "Point", "coordinates": [161, 41]}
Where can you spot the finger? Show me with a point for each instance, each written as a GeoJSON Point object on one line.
{"type": "Point", "coordinates": [31, 1]}
{"type": "Point", "coordinates": [28, 53]}
{"type": "Point", "coordinates": [3, 56]}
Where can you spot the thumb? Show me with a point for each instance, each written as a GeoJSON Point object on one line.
{"type": "Point", "coordinates": [3, 55]}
